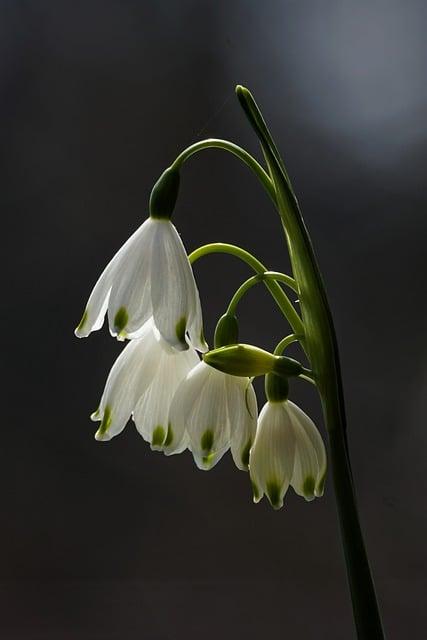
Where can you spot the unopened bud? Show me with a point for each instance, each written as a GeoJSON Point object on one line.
{"type": "Point", "coordinates": [247, 360]}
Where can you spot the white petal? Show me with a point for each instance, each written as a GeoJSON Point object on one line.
{"type": "Point", "coordinates": [243, 420]}
{"type": "Point", "coordinates": [96, 307]}
{"type": "Point", "coordinates": [305, 466]}
{"type": "Point", "coordinates": [93, 317]}
{"type": "Point", "coordinates": [195, 329]}
{"type": "Point", "coordinates": [173, 289]}
{"type": "Point", "coordinates": [130, 299]}
{"type": "Point", "coordinates": [307, 425]}
{"type": "Point", "coordinates": [131, 373]}
{"type": "Point", "coordinates": [271, 458]}
{"type": "Point", "coordinates": [208, 423]}
{"type": "Point", "coordinates": [185, 396]}
{"type": "Point", "coordinates": [177, 438]}
{"type": "Point", "coordinates": [152, 411]}
{"type": "Point", "coordinates": [200, 406]}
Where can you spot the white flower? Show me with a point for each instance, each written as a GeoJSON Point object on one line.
{"type": "Point", "coordinates": [149, 276]}
{"type": "Point", "coordinates": [288, 450]}
{"type": "Point", "coordinates": [211, 412]}
{"type": "Point", "coordinates": [143, 381]}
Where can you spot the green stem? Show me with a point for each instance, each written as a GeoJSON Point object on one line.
{"type": "Point", "coordinates": [307, 378]}
{"type": "Point", "coordinates": [275, 289]}
{"type": "Point", "coordinates": [260, 277]}
{"type": "Point", "coordinates": [322, 349]}
{"type": "Point", "coordinates": [362, 589]}
{"type": "Point", "coordinates": [307, 374]}
{"type": "Point", "coordinates": [282, 277]}
{"type": "Point", "coordinates": [225, 145]}
{"type": "Point", "coordinates": [285, 342]}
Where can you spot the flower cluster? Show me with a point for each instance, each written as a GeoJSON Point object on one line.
{"type": "Point", "coordinates": [182, 395]}
{"type": "Point", "coordinates": [176, 399]}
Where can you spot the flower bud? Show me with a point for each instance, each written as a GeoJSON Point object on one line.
{"type": "Point", "coordinates": [164, 195]}
{"type": "Point", "coordinates": [227, 331]}
{"type": "Point", "coordinates": [248, 361]}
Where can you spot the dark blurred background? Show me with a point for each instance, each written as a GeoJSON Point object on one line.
{"type": "Point", "coordinates": [112, 541]}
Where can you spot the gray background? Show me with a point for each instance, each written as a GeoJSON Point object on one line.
{"type": "Point", "coordinates": [113, 541]}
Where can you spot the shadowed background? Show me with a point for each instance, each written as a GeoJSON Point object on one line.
{"type": "Point", "coordinates": [112, 541]}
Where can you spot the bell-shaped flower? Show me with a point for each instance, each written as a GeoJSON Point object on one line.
{"type": "Point", "coordinates": [211, 412]}
{"type": "Point", "coordinates": [288, 450]}
{"type": "Point", "coordinates": [142, 382]}
{"type": "Point", "coordinates": [149, 276]}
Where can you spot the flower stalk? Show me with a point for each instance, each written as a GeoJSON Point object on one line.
{"type": "Point", "coordinates": [234, 149]}
{"type": "Point", "coordinates": [274, 287]}
{"type": "Point", "coordinates": [253, 280]}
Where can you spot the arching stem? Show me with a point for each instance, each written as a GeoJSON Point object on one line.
{"type": "Point", "coordinates": [226, 145]}
{"type": "Point", "coordinates": [251, 282]}
{"type": "Point", "coordinates": [307, 374]}
{"type": "Point", "coordinates": [275, 289]}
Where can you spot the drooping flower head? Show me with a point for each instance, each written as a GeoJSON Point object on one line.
{"type": "Point", "coordinates": [149, 276]}
{"type": "Point", "coordinates": [142, 382]}
{"type": "Point", "coordinates": [288, 450]}
{"type": "Point", "coordinates": [212, 412]}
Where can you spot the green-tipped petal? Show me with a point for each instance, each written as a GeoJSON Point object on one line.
{"type": "Point", "coordinates": [312, 452]}
{"type": "Point", "coordinates": [210, 408]}
{"type": "Point", "coordinates": [243, 416]}
{"type": "Point", "coordinates": [175, 299]}
{"type": "Point", "coordinates": [130, 375]}
{"type": "Point", "coordinates": [151, 414]}
{"type": "Point", "coordinates": [272, 455]}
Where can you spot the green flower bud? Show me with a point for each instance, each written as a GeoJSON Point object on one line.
{"type": "Point", "coordinates": [276, 388]}
{"type": "Point", "coordinates": [227, 331]}
{"type": "Point", "coordinates": [164, 195]}
{"type": "Point", "coordinates": [247, 360]}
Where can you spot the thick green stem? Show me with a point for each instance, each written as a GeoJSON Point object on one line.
{"type": "Point", "coordinates": [321, 345]}
{"type": "Point", "coordinates": [275, 289]}
{"type": "Point", "coordinates": [366, 615]}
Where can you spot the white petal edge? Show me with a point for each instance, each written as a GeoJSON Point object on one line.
{"type": "Point", "coordinates": [130, 299]}
{"type": "Point", "coordinates": [152, 411]}
{"type": "Point", "coordinates": [185, 396]}
{"type": "Point", "coordinates": [307, 424]}
{"type": "Point", "coordinates": [174, 293]}
{"type": "Point", "coordinates": [243, 422]}
{"type": "Point", "coordinates": [96, 307]}
{"type": "Point", "coordinates": [131, 373]}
